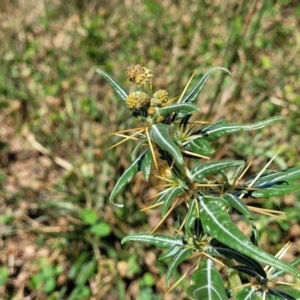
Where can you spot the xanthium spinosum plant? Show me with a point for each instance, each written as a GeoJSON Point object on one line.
{"type": "Point", "coordinates": [227, 264]}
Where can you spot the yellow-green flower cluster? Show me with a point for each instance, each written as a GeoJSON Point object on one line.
{"type": "Point", "coordinates": [137, 100]}
{"type": "Point", "coordinates": [159, 98]}
{"type": "Point", "coordinates": [165, 171]}
{"type": "Point", "coordinates": [140, 99]}
{"type": "Point", "coordinates": [139, 74]}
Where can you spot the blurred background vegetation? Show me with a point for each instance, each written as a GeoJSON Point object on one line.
{"type": "Point", "coordinates": [60, 237]}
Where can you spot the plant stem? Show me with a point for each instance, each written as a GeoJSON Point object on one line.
{"type": "Point", "coordinates": [233, 278]}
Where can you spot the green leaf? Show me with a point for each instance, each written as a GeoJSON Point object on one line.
{"type": "Point", "coordinates": [294, 292]}
{"type": "Point", "coordinates": [295, 263]}
{"type": "Point", "coordinates": [208, 283]}
{"type": "Point", "coordinates": [160, 134]}
{"type": "Point", "coordinates": [246, 270]}
{"type": "Point", "coordinates": [136, 149]}
{"type": "Point", "coordinates": [121, 92]}
{"type": "Point", "coordinates": [185, 108]}
{"type": "Point", "coordinates": [276, 294]}
{"type": "Point", "coordinates": [133, 265]}
{"type": "Point", "coordinates": [200, 170]}
{"type": "Point", "coordinates": [235, 174]}
{"type": "Point", "coordinates": [230, 253]}
{"type": "Point", "coordinates": [276, 191]}
{"type": "Point", "coordinates": [76, 266]}
{"type": "Point", "coordinates": [289, 176]}
{"type": "Point", "coordinates": [221, 129]}
{"type": "Point", "coordinates": [147, 162]}
{"type": "Point", "coordinates": [208, 127]}
{"type": "Point", "coordinates": [4, 274]}
{"type": "Point", "coordinates": [171, 252]}
{"type": "Point", "coordinates": [161, 241]}
{"type": "Point", "coordinates": [80, 292]}
{"type": "Point", "coordinates": [125, 179]}
{"type": "Point", "coordinates": [148, 279]}
{"type": "Point", "coordinates": [192, 96]}
{"type": "Point", "coordinates": [89, 216]}
{"type": "Point", "coordinates": [87, 270]}
{"type": "Point", "coordinates": [247, 293]}
{"type": "Point", "coordinates": [199, 146]}
{"type": "Point", "coordinates": [237, 204]}
{"type": "Point", "coordinates": [101, 229]}
{"type": "Point", "coordinates": [176, 191]}
{"type": "Point", "coordinates": [180, 256]}
{"type": "Point", "coordinates": [49, 284]}
{"type": "Point", "coordinates": [163, 195]}
{"type": "Point", "coordinates": [217, 223]}
{"type": "Point", "coordinates": [191, 216]}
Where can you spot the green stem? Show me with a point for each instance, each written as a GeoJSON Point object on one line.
{"type": "Point", "coordinates": [233, 278]}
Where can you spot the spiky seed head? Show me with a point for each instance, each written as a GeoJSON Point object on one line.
{"type": "Point", "coordinates": [148, 73]}
{"type": "Point", "coordinates": [154, 102]}
{"type": "Point", "coordinates": [139, 74]}
{"type": "Point", "coordinates": [137, 100]}
{"type": "Point", "coordinates": [159, 98]}
{"type": "Point", "coordinates": [161, 95]}
{"type": "Point", "coordinates": [132, 71]}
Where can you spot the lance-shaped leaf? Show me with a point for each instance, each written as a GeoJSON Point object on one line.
{"type": "Point", "coordinates": [230, 253]}
{"type": "Point", "coordinates": [217, 223]}
{"type": "Point", "coordinates": [146, 165]}
{"type": "Point", "coordinates": [248, 293]}
{"type": "Point", "coordinates": [161, 241]}
{"type": "Point", "coordinates": [170, 196]}
{"type": "Point", "coordinates": [293, 293]}
{"type": "Point", "coordinates": [210, 126]}
{"type": "Point", "coordinates": [86, 271]}
{"type": "Point", "coordinates": [180, 256]}
{"type": "Point", "coordinates": [276, 191]}
{"type": "Point", "coordinates": [208, 283]}
{"type": "Point", "coordinates": [219, 130]}
{"type": "Point", "coordinates": [126, 178]}
{"type": "Point", "coordinates": [191, 217]}
{"type": "Point", "coordinates": [193, 94]}
{"type": "Point", "coordinates": [271, 178]}
{"type": "Point", "coordinates": [200, 170]}
{"type": "Point", "coordinates": [137, 148]}
{"type": "Point", "coordinates": [237, 204]}
{"type": "Point", "coordinates": [279, 294]}
{"type": "Point", "coordinates": [295, 263]}
{"type": "Point", "coordinates": [247, 270]}
{"type": "Point", "coordinates": [199, 146]}
{"type": "Point", "coordinates": [163, 195]}
{"type": "Point", "coordinates": [185, 108]}
{"type": "Point", "coordinates": [171, 252]}
{"type": "Point", "coordinates": [160, 134]}
{"type": "Point", "coordinates": [121, 92]}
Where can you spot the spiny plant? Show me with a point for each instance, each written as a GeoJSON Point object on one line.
{"type": "Point", "coordinates": [177, 150]}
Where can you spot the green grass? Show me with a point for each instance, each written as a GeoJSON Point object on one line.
{"type": "Point", "coordinates": [56, 114]}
